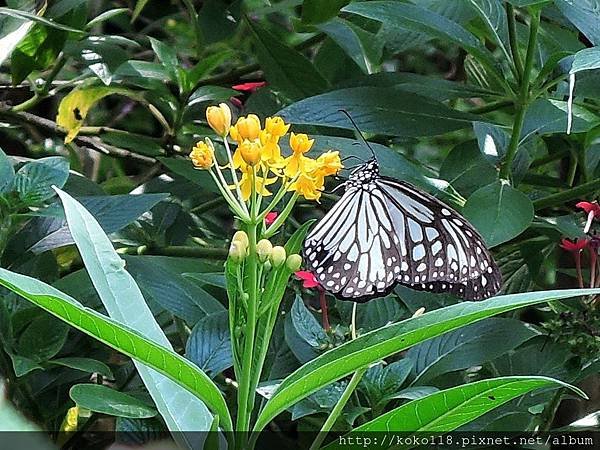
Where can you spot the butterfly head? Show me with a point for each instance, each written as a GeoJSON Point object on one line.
{"type": "Point", "coordinates": [365, 173]}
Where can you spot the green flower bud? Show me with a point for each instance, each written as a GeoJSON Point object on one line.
{"type": "Point", "coordinates": [237, 252]}
{"type": "Point", "coordinates": [293, 262]}
{"type": "Point", "coordinates": [263, 249]}
{"type": "Point", "coordinates": [242, 238]}
{"type": "Point", "coordinates": [278, 256]}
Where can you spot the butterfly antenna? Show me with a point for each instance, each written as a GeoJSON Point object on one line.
{"type": "Point", "coordinates": [360, 135]}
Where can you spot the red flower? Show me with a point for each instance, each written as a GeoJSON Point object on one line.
{"type": "Point", "coordinates": [236, 101]}
{"type": "Point", "coordinates": [270, 217]}
{"type": "Point", "coordinates": [249, 87]}
{"type": "Point", "coordinates": [576, 246]}
{"type": "Point", "coordinates": [308, 279]}
{"type": "Point", "coordinates": [592, 209]}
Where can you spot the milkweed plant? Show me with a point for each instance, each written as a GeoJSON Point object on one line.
{"type": "Point", "coordinates": [256, 180]}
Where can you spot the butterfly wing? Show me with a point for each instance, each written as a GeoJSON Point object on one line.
{"type": "Point", "coordinates": [393, 233]}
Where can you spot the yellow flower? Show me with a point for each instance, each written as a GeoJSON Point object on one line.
{"type": "Point", "coordinates": [300, 143]}
{"type": "Point", "coordinates": [329, 163]}
{"type": "Point", "coordinates": [250, 151]}
{"type": "Point", "coordinates": [203, 155]}
{"type": "Point", "coordinates": [298, 163]}
{"type": "Point", "coordinates": [219, 119]}
{"type": "Point", "coordinates": [308, 186]}
{"type": "Point", "coordinates": [271, 155]}
{"type": "Point", "coordinates": [260, 183]}
{"type": "Point", "coordinates": [275, 126]}
{"type": "Point", "coordinates": [246, 128]}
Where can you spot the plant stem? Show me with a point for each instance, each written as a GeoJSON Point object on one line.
{"type": "Point", "coordinates": [490, 107]}
{"type": "Point", "coordinates": [337, 409]}
{"type": "Point", "coordinates": [43, 92]}
{"type": "Point", "coordinates": [561, 198]}
{"type": "Point", "coordinates": [246, 391]}
{"type": "Point", "coordinates": [523, 97]}
{"type": "Point", "coordinates": [512, 37]}
{"type": "Point", "coordinates": [177, 250]}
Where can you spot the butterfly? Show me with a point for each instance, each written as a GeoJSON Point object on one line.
{"type": "Point", "coordinates": [383, 232]}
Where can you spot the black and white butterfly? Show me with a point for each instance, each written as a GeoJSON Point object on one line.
{"type": "Point", "coordinates": [383, 232]}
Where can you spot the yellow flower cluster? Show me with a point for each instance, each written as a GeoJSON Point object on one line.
{"type": "Point", "coordinates": [258, 155]}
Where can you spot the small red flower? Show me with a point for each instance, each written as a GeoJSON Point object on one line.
{"type": "Point", "coordinates": [270, 217]}
{"type": "Point", "coordinates": [249, 87]}
{"type": "Point", "coordinates": [592, 209]}
{"type": "Point", "coordinates": [576, 246]}
{"type": "Point", "coordinates": [308, 279]}
{"type": "Point", "coordinates": [236, 101]}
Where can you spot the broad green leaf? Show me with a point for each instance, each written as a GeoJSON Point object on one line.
{"type": "Point", "coordinates": [378, 110]}
{"type": "Point", "coordinates": [186, 169]}
{"type": "Point", "coordinates": [586, 59]}
{"type": "Point", "coordinates": [103, 55]}
{"type": "Point", "coordinates": [161, 280]}
{"type": "Point", "coordinates": [7, 174]}
{"type": "Point", "coordinates": [167, 56]}
{"type": "Point", "coordinates": [43, 338]}
{"type": "Point", "coordinates": [85, 365]}
{"type": "Point", "coordinates": [378, 344]}
{"type": "Point", "coordinates": [285, 68]}
{"type": "Point", "coordinates": [584, 15]}
{"type": "Point", "coordinates": [421, 20]}
{"type": "Point", "coordinates": [119, 337]}
{"type": "Point", "coordinates": [74, 107]}
{"type": "Point", "coordinates": [123, 300]}
{"type": "Point", "coordinates": [35, 179]}
{"type": "Point", "coordinates": [499, 212]}
{"type": "Point", "coordinates": [493, 14]}
{"type": "Point", "coordinates": [547, 116]}
{"type": "Point", "coordinates": [319, 11]}
{"type": "Point", "coordinates": [209, 344]}
{"type": "Point", "coordinates": [382, 383]}
{"type": "Point", "coordinates": [449, 409]}
{"type": "Point", "coordinates": [113, 212]}
{"type": "Point", "coordinates": [102, 399]}
{"type": "Point", "coordinates": [24, 15]}
{"type": "Point", "coordinates": [469, 346]}
{"type": "Point", "coordinates": [467, 169]}
{"type": "Point", "coordinates": [13, 31]}
{"type": "Point", "coordinates": [359, 45]}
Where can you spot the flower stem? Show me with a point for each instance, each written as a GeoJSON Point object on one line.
{"type": "Point", "coordinates": [523, 99]}
{"type": "Point", "coordinates": [234, 177]}
{"type": "Point", "coordinates": [337, 409]}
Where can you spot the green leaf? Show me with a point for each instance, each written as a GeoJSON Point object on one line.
{"type": "Point", "coordinates": [383, 383]}
{"type": "Point", "coordinates": [35, 179]}
{"type": "Point", "coordinates": [102, 399]}
{"type": "Point", "coordinates": [85, 365]}
{"type": "Point", "coordinates": [167, 56]}
{"type": "Point", "coordinates": [378, 110]}
{"type": "Point", "coordinates": [209, 345]}
{"type": "Point", "coordinates": [103, 55]}
{"type": "Point", "coordinates": [184, 168]}
{"type": "Point", "coordinates": [499, 212]}
{"type": "Point", "coordinates": [584, 15]}
{"type": "Point", "coordinates": [7, 173]}
{"type": "Point", "coordinates": [469, 346]}
{"type": "Point", "coordinates": [493, 14]}
{"type": "Point", "coordinates": [43, 338]}
{"type": "Point", "coordinates": [319, 11]}
{"type": "Point", "coordinates": [449, 409]}
{"type": "Point", "coordinates": [113, 212]}
{"type": "Point", "coordinates": [12, 420]}
{"type": "Point", "coordinates": [114, 284]}
{"type": "Point", "coordinates": [547, 116]}
{"type": "Point", "coordinates": [586, 59]}
{"type": "Point", "coordinates": [139, 7]}
{"type": "Point", "coordinates": [376, 345]}
{"type": "Point", "coordinates": [285, 68]}
{"type": "Point", "coordinates": [29, 16]}
{"type": "Point", "coordinates": [467, 169]}
{"type": "Point", "coordinates": [13, 31]}
{"type": "Point", "coordinates": [106, 15]}
{"type": "Point", "coordinates": [422, 20]}
{"type": "Point", "coordinates": [119, 337]}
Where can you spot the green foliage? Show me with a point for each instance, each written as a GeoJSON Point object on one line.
{"type": "Point", "coordinates": [492, 106]}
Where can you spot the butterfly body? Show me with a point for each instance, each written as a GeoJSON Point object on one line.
{"type": "Point", "coordinates": [384, 232]}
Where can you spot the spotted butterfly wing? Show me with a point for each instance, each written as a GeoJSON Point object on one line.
{"type": "Point", "coordinates": [382, 232]}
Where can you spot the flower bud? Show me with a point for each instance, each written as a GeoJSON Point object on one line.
{"type": "Point", "coordinates": [236, 252]}
{"type": "Point", "coordinates": [203, 155]}
{"type": "Point", "coordinates": [219, 119]}
{"type": "Point", "coordinates": [293, 262]}
{"type": "Point", "coordinates": [246, 128]}
{"type": "Point", "coordinates": [278, 256]}
{"type": "Point", "coordinates": [242, 237]}
{"type": "Point", "coordinates": [250, 152]}
{"type": "Point", "coordinates": [263, 249]}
